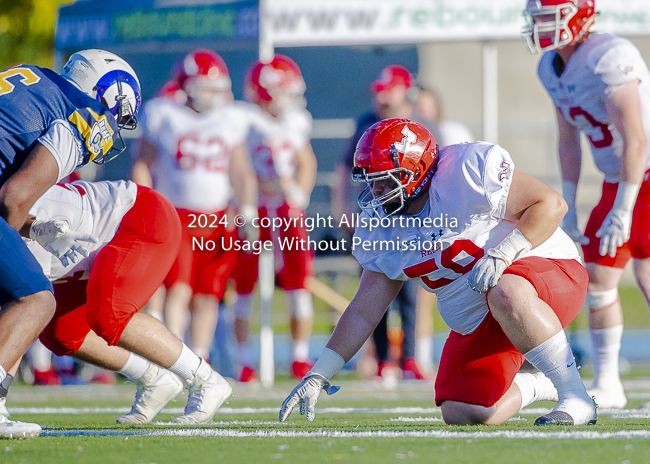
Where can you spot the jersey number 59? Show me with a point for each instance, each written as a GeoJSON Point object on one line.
{"type": "Point", "coordinates": [450, 261]}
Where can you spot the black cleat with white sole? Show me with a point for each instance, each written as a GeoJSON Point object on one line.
{"type": "Point", "coordinates": [558, 418]}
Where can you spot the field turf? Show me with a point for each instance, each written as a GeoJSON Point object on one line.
{"type": "Point", "coordinates": [362, 423]}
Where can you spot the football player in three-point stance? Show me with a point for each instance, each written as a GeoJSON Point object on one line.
{"type": "Point", "coordinates": [50, 125]}
{"type": "Point", "coordinates": [507, 278]}
{"type": "Point", "coordinates": [283, 159]}
{"type": "Point", "coordinates": [194, 154]}
{"type": "Point", "coordinates": [600, 86]}
{"type": "Point", "coordinates": [98, 298]}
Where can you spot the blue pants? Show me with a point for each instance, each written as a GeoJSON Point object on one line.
{"type": "Point", "coordinates": [20, 273]}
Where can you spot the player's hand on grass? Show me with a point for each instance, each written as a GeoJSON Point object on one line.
{"type": "Point", "coordinates": [306, 395]}
{"type": "Point", "coordinates": [57, 238]}
{"type": "Point", "coordinates": [570, 226]}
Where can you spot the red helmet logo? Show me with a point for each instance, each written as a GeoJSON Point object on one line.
{"type": "Point", "coordinates": [400, 150]}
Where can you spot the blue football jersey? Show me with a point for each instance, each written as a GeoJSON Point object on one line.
{"type": "Point", "coordinates": [31, 100]}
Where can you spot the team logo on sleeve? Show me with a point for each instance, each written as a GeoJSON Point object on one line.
{"type": "Point", "coordinates": [628, 68]}
{"type": "Point", "coordinates": [506, 171]}
{"type": "Point", "coordinates": [99, 134]}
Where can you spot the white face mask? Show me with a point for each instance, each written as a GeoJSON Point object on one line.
{"type": "Point", "coordinates": [205, 94]}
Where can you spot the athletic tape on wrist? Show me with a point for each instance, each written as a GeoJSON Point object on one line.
{"type": "Point", "coordinates": [626, 196]}
{"type": "Point", "coordinates": [511, 248]}
{"type": "Point", "coordinates": [328, 363]}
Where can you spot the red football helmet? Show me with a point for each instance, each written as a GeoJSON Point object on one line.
{"type": "Point", "coordinates": [172, 90]}
{"type": "Point", "coordinates": [401, 150]}
{"type": "Point", "coordinates": [552, 24]}
{"type": "Point", "coordinates": [203, 76]}
{"type": "Point", "coordinates": [276, 86]}
{"type": "Point", "coordinates": [391, 76]}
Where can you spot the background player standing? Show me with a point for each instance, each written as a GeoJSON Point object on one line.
{"type": "Point", "coordinates": [194, 154]}
{"type": "Point", "coordinates": [600, 86]}
{"type": "Point", "coordinates": [281, 152]}
{"type": "Point", "coordinates": [50, 125]}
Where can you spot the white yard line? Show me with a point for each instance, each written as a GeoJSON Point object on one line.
{"type": "Point", "coordinates": [221, 433]}
{"type": "Point", "coordinates": [615, 413]}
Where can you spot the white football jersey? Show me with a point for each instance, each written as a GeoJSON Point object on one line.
{"type": "Point", "coordinates": [94, 208]}
{"type": "Point", "coordinates": [470, 186]}
{"type": "Point", "coordinates": [598, 68]}
{"type": "Point", "coordinates": [194, 151]}
{"type": "Point", "coordinates": [272, 144]}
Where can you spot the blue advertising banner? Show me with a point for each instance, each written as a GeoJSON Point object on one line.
{"type": "Point", "coordinates": [93, 23]}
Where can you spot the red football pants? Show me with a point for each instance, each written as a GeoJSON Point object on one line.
{"type": "Point", "coordinates": [125, 274]}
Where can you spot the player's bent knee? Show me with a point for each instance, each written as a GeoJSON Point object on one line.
{"type": "Point", "coordinates": [57, 343]}
{"type": "Point", "coordinates": [107, 325]}
{"type": "Point", "coordinates": [599, 300]}
{"type": "Point", "coordinates": [44, 303]}
{"type": "Point", "coordinates": [458, 413]}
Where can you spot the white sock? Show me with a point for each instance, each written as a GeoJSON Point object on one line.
{"type": "Point", "coordinates": [534, 387]}
{"type": "Point", "coordinates": [41, 356]}
{"type": "Point", "coordinates": [301, 350]}
{"type": "Point", "coordinates": [245, 354]}
{"type": "Point", "coordinates": [135, 367]}
{"type": "Point", "coordinates": [186, 365]}
{"type": "Point", "coordinates": [607, 346]}
{"type": "Point", "coordinates": [424, 352]}
{"type": "Point", "coordinates": [555, 359]}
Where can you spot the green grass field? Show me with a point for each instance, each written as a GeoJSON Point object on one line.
{"type": "Point", "coordinates": [362, 423]}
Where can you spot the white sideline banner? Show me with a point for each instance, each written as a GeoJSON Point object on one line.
{"type": "Point", "coordinates": [292, 23]}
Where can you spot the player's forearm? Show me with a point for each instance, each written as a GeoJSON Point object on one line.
{"type": "Point", "coordinates": [141, 174]}
{"type": "Point", "coordinates": [540, 220]}
{"type": "Point", "coordinates": [353, 329]}
{"type": "Point", "coordinates": [633, 161]}
{"type": "Point", "coordinates": [306, 170]}
{"type": "Point", "coordinates": [570, 159]}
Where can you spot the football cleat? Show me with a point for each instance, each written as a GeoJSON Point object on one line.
{"type": "Point", "coordinates": [248, 374]}
{"type": "Point", "coordinates": [611, 396]}
{"type": "Point", "coordinates": [571, 411]}
{"type": "Point", "coordinates": [300, 369]}
{"type": "Point", "coordinates": [3, 408]}
{"type": "Point", "coordinates": [156, 388]}
{"type": "Point", "coordinates": [17, 429]}
{"type": "Point", "coordinates": [207, 392]}
{"type": "Point", "coordinates": [411, 370]}
{"type": "Point", "coordinates": [48, 377]}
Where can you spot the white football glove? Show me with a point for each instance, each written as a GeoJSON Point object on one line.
{"type": "Point", "coordinates": [306, 395]}
{"type": "Point", "coordinates": [489, 269]}
{"type": "Point", "coordinates": [250, 214]}
{"type": "Point", "coordinates": [570, 226]}
{"type": "Point", "coordinates": [296, 197]}
{"type": "Point", "coordinates": [614, 232]}
{"type": "Point", "coordinates": [57, 238]}
{"type": "Point", "coordinates": [616, 227]}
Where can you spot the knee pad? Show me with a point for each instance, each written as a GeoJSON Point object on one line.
{"type": "Point", "coordinates": [301, 304]}
{"type": "Point", "coordinates": [243, 306]}
{"type": "Point", "coordinates": [599, 300]}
